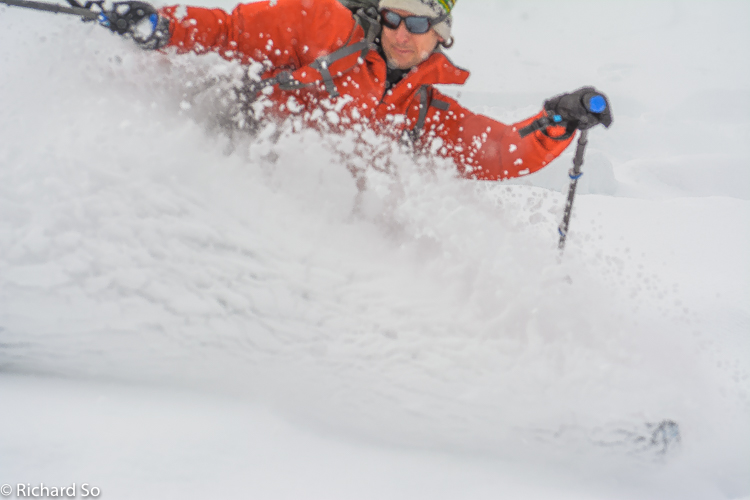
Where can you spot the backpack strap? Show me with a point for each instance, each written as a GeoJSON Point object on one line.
{"type": "Point", "coordinates": [369, 19]}
{"type": "Point", "coordinates": [283, 79]}
{"type": "Point", "coordinates": [322, 63]}
{"type": "Point", "coordinates": [425, 101]}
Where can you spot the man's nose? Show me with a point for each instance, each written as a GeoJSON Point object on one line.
{"type": "Point", "coordinates": [402, 34]}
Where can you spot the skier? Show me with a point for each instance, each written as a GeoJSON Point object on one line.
{"type": "Point", "coordinates": [338, 69]}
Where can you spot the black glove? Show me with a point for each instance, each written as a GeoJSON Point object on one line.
{"type": "Point", "coordinates": [139, 21]}
{"type": "Point", "coordinates": [581, 109]}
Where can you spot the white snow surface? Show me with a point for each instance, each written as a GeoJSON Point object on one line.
{"type": "Point", "coordinates": [189, 315]}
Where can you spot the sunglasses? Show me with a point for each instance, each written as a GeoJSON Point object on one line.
{"type": "Point", "coordinates": [417, 25]}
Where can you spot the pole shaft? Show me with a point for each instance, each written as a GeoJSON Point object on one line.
{"type": "Point", "coordinates": [574, 173]}
{"type": "Point", "coordinates": [52, 7]}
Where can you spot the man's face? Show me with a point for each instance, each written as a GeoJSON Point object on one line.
{"type": "Point", "coordinates": [405, 50]}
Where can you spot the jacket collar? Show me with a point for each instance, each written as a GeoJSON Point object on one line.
{"type": "Point", "coordinates": [438, 69]}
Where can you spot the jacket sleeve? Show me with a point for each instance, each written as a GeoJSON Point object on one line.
{"type": "Point", "coordinates": [284, 33]}
{"type": "Point", "coordinates": [487, 149]}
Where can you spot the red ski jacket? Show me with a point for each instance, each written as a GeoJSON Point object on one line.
{"type": "Point", "coordinates": [291, 35]}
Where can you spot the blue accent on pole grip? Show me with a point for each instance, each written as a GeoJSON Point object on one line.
{"type": "Point", "coordinates": [557, 118]}
{"type": "Point", "coordinates": [154, 18]}
{"type": "Point", "coordinates": [574, 176]}
{"type": "Point", "coordinates": [103, 20]}
{"type": "Point", "coordinates": [597, 104]}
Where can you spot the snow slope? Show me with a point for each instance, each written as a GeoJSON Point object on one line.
{"type": "Point", "coordinates": [184, 314]}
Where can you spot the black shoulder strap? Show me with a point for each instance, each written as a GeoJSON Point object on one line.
{"type": "Point", "coordinates": [322, 63]}
{"type": "Point", "coordinates": [368, 18]}
{"type": "Point", "coordinates": [425, 101]}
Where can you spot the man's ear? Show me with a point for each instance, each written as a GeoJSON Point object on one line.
{"type": "Point", "coordinates": [446, 45]}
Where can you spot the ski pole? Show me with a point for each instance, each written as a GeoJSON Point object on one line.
{"type": "Point", "coordinates": [594, 102]}
{"type": "Point", "coordinates": [55, 8]}
{"type": "Point", "coordinates": [574, 174]}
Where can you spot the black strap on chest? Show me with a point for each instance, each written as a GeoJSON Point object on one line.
{"type": "Point", "coordinates": [425, 101]}
{"type": "Point", "coordinates": [322, 63]}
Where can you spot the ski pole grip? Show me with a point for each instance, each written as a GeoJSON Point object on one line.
{"type": "Point", "coordinates": [539, 124]}
{"type": "Point", "coordinates": [596, 103]}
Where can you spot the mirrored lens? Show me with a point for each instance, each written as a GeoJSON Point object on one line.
{"type": "Point", "coordinates": [417, 25]}
{"type": "Point", "coordinates": [391, 19]}
{"type": "Point", "coordinates": [414, 24]}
